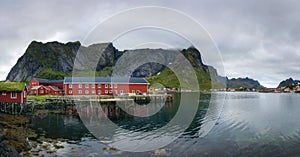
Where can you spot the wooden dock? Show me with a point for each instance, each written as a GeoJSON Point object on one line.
{"type": "Point", "coordinates": [69, 103]}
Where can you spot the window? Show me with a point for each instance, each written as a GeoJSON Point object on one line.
{"type": "Point", "coordinates": [80, 92]}
{"type": "Point", "coordinates": [99, 85]}
{"type": "Point", "coordinates": [70, 91]}
{"type": "Point", "coordinates": [86, 85]}
{"type": "Point", "coordinates": [116, 86]}
{"type": "Point", "coordinates": [110, 91]}
{"type": "Point", "coordinates": [106, 91]}
{"type": "Point", "coordinates": [121, 91]}
{"type": "Point", "coordinates": [93, 85]}
{"type": "Point", "coordinates": [93, 92]}
{"type": "Point", "coordinates": [110, 85]}
{"type": "Point", "coordinates": [86, 91]}
{"type": "Point", "coordinates": [132, 91]}
{"type": "Point", "coordinates": [42, 91]}
{"type": "Point", "coordinates": [24, 94]}
{"type": "Point", "coordinates": [3, 93]}
{"type": "Point", "coordinates": [106, 85]}
{"type": "Point", "coordinates": [80, 86]}
{"type": "Point", "coordinates": [70, 85]}
{"type": "Point", "coordinates": [99, 92]}
{"type": "Point", "coordinates": [13, 95]}
{"type": "Point", "coordinates": [116, 92]}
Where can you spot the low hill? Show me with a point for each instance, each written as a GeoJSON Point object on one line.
{"type": "Point", "coordinates": [288, 82]}
{"type": "Point", "coordinates": [244, 83]}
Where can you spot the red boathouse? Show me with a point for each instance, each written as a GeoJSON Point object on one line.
{"type": "Point", "coordinates": [45, 82]}
{"type": "Point", "coordinates": [104, 86]}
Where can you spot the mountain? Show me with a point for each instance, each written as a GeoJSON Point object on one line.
{"type": "Point", "coordinates": [58, 57]}
{"type": "Point", "coordinates": [287, 82]}
{"type": "Point", "coordinates": [244, 83]}
{"type": "Point", "coordinates": [54, 60]}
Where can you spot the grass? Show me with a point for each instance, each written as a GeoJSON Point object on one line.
{"type": "Point", "coordinates": [168, 79]}
{"type": "Point", "coordinates": [12, 86]}
{"type": "Point", "coordinates": [41, 98]}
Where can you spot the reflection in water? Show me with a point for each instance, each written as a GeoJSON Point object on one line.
{"type": "Point", "coordinates": [251, 124]}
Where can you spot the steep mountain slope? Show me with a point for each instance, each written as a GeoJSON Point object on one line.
{"type": "Point", "coordinates": [58, 57]}
{"type": "Point", "coordinates": [54, 60]}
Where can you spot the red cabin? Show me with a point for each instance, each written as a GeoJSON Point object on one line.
{"type": "Point", "coordinates": [104, 86]}
{"type": "Point", "coordinates": [13, 92]}
{"type": "Point", "coordinates": [45, 82]}
{"type": "Point", "coordinates": [46, 90]}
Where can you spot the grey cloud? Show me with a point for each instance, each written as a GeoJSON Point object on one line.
{"type": "Point", "coordinates": [258, 39]}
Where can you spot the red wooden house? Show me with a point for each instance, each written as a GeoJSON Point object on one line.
{"type": "Point", "coordinates": [55, 91]}
{"type": "Point", "coordinates": [45, 82]}
{"type": "Point", "coordinates": [104, 86]}
{"type": "Point", "coordinates": [13, 92]}
{"type": "Point", "coordinates": [46, 90]}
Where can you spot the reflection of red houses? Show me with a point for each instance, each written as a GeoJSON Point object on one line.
{"type": "Point", "coordinates": [46, 90]}
{"type": "Point", "coordinates": [39, 86]}
{"type": "Point", "coordinates": [13, 92]}
{"type": "Point", "coordinates": [104, 85]}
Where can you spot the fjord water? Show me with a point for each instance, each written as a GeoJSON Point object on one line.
{"type": "Point", "coordinates": [241, 124]}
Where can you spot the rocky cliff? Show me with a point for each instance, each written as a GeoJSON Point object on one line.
{"type": "Point", "coordinates": [54, 60]}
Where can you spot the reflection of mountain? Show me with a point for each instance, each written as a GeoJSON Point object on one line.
{"type": "Point", "coordinates": [59, 126]}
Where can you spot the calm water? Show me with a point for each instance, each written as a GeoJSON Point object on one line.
{"type": "Point", "coordinates": [225, 124]}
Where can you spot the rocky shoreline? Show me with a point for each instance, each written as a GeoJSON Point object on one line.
{"type": "Point", "coordinates": [14, 134]}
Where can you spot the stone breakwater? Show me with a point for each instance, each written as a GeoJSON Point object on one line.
{"type": "Point", "coordinates": [14, 134]}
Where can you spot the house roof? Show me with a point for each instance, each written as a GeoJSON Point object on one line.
{"type": "Point", "coordinates": [35, 87]}
{"type": "Point", "coordinates": [120, 80]}
{"type": "Point", "coordinates": [48, 81]}
{"type": "Point", "coordinates": [55, 88]}
{"type": "Point", "coordinates": [12, 86]}
{"type": "Point", "coordinates": [42, 80]}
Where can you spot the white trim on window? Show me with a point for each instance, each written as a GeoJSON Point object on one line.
{"type": "Point", "coordinates": [79, 85]}
{"type": "Point", "coordinates": [115, 85]}
{"type": "Point", "coordinates": [3, 93]}
{"type": "Point", "coordinates": [13, 95]}
{"type": "Point", "coordinates": [106, 85]}
{"type": "Point", "coordinates": [99, 92]}
{"type": "Point", "coordinates": [132, 91]}
{"type": "Point", "coordinates": [86, 91]}
{"type": "Point", "coordinates": [79, 91]}
{"type": "Point", "coordinates": [70, 92]}
{"type": "Point", "coordinates": [70, 86]}
{"type": "Point", "coordinates": [106, 91]}
{"type": "Point", "coordinates": [86, 85]}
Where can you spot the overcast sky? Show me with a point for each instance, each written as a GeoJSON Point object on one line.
{"type": "Point", "coordinates": [256, 39]}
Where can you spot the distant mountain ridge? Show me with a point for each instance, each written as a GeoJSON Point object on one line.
{"type": "Point", "coordinates": [54, 60]}
{"type": "Point", "coordinates": [288, 82]}
{"type": "Point", "coordinates": [244, 83]}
